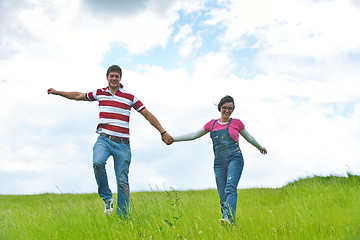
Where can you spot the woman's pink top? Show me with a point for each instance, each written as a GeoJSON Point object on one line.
{"type": "Point", "coordinates": [235, 127]}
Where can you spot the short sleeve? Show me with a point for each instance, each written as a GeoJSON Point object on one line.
{"type": "Point", "coordinates": [240, 125]}
{"type": "Point", "coordinates": [91, 96]}
{"type": "Point", "coordinates": [209, 125]}
{"type": "Point", "coordinates": [138, 105]}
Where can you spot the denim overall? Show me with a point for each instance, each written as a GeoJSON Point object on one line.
{"type": "Point", "coordinates": [228, 166]}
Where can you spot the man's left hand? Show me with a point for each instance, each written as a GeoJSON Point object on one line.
{"type": "Point", "coordinates": [167, 138]}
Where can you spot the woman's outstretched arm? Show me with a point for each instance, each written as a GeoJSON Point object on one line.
{"type": "Point", "coordinates": [252, 140]}
{"type": "Point", "coordinates": [191, 136]}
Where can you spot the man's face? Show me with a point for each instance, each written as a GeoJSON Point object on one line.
{"type": "Point", "coordinates": [114, 79]}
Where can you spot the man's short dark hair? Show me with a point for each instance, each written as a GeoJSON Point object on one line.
{"type": "Point", "coordinates": [225, 99]}
{"type": "Point", "coordinates": [114, 68]}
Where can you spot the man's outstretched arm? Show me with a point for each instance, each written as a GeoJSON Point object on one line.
{"type": "Point", "coordinates": [153, 120]}
{"type": "Point", "coordinates": [78, 96]}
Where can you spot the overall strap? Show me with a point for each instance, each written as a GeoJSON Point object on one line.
{"type": "Point", "coordinates": [213, 126]}
{"type": "Point", "coordinates": [229, 124]}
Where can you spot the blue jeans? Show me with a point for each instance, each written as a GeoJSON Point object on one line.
{"type": "Point", "coordinates": [121, 153]}
{"type": "Point", "coordinates": [228, 168]}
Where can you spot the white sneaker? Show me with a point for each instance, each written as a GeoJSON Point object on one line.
{"type": "Point", "coordinates": [108, 209]}
{"type": "Point", "coordinates": [225, 222]}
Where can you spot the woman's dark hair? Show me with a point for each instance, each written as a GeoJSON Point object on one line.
{"type": "Point", "coordinates": [114, 68]}
{"type": "Point", "coordinates": [225, 99]}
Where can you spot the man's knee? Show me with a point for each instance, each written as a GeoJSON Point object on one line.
{"type": "Point", "coordinates": [123, 183]}
{"type": "Point", "coordinates": [98, 164]}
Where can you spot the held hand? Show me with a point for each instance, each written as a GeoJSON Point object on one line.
{"type": "Point", "coordinates": [167, 138]}
{"type": "Point", "coordinates": [263, 151]}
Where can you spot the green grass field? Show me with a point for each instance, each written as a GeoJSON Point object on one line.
{"type": "Point", "coordinates": [310, 208]}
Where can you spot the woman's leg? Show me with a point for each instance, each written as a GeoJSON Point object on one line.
{"type": "Point", "coordinates": [220, 170]}
{"type": "Point", "coordinates": [234, 171]}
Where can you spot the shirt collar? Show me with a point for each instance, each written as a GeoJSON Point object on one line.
{"type": "Point", "coordinates": [108, 90]}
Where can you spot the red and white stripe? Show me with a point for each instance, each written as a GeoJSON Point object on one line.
{"type": "Point", "coordinates": [114, 111]}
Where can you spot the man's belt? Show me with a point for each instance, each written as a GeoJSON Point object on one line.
{"type": "Point", "coordinates": [116, 139]}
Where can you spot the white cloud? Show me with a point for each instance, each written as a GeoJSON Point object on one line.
{"type": "Point", "coordinates": [189, 45]}
{"type": "Point", "coordinates": [190, 6]}
{"type": "Point", "coordinates": [183, 33]}
{"type": "Point", "coordinates": [189, 42]}
{"type": "Point", "coordinates": [300, 28]}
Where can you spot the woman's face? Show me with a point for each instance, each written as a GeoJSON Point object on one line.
{"type": "Point", "coordinates": [227, 109]}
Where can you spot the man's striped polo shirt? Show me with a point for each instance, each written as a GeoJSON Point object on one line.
{"type": "Point", "coordinates": [114, 110]}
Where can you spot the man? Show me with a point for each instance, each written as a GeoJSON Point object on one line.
{"type": "Point", "coordinates": [115, 104]}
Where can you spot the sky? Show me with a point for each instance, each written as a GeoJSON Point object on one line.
{"type": "Point", "coordinates": [292, 66]}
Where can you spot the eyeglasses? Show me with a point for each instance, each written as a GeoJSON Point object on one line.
{"type": "Point", "coordinates": [227, 108]}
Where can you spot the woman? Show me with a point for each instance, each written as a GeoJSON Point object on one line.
{"type": "Point", "coordinates": [228, 163]}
